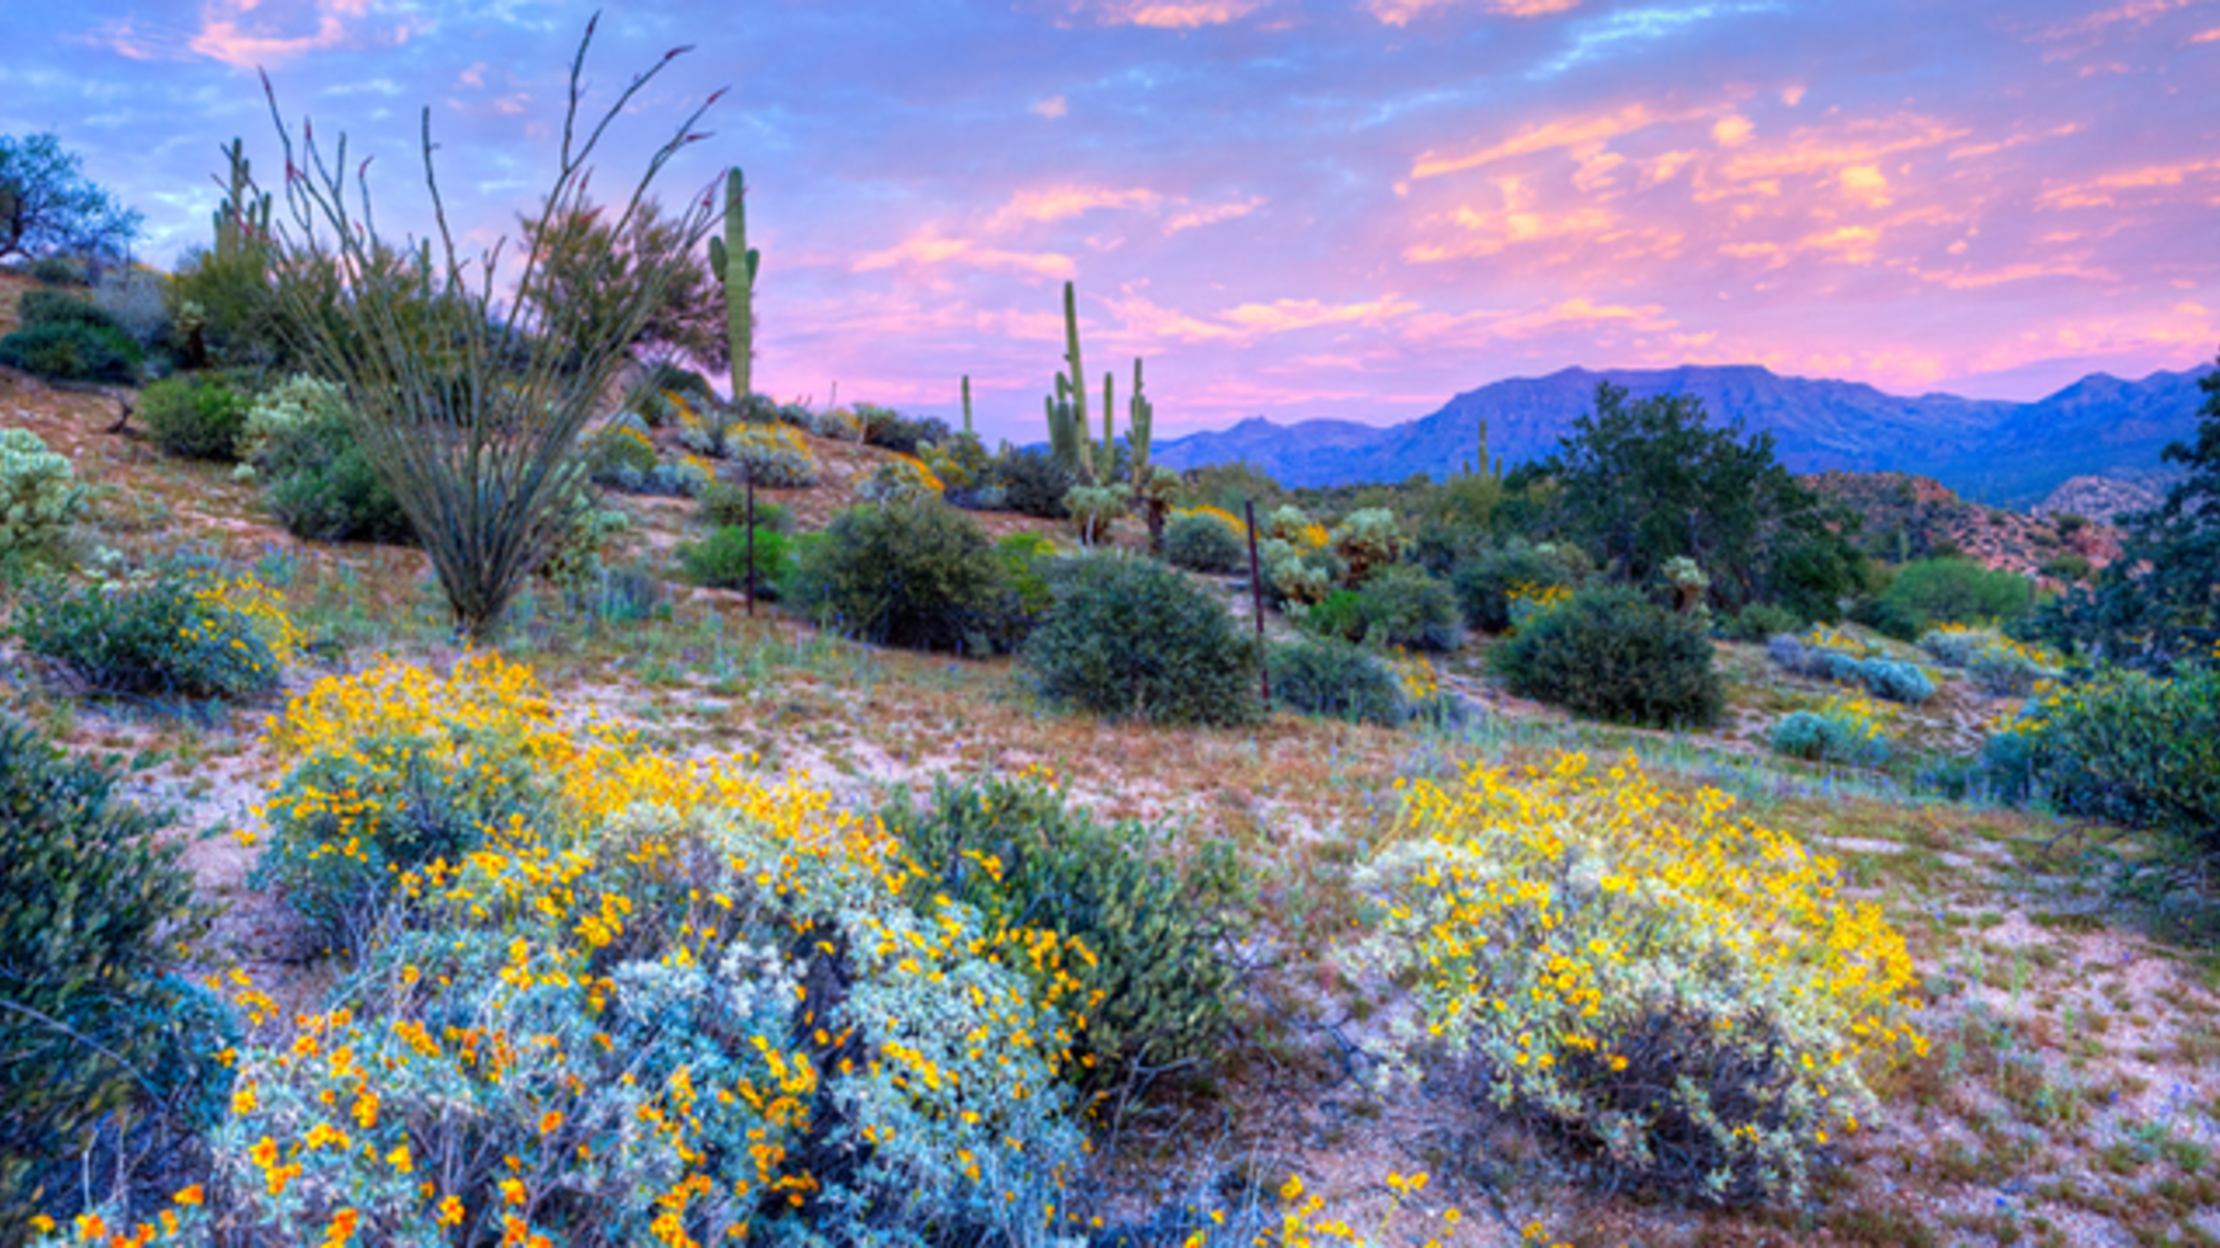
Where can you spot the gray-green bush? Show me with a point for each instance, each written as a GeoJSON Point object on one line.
{"type": "Point", "coordinates": [1130, 637]}
{"type": "Point", "coordinates": [1611, 653]}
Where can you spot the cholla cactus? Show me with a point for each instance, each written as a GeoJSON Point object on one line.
{"type": "Point", "coordinates": [1688, 581]}
{"type": "Point", "coordinates": [293, 403]}
{"type": "Point", "coordinates": [1289, 524]}
{"type": "Point", "coordinates": [1367, 539]}
{"type": "Point", "coordinates": [1094, 510]}
{"type": "Point", "coordinates": [39, 494]}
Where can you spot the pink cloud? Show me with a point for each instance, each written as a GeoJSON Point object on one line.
{"type": "Point", "coordinates": [927, 251]}
{"type": "Point", "coordinates": [1174, 14]}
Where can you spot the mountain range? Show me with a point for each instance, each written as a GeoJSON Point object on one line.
{"type": "Point", "coordinates": [1990, 450]}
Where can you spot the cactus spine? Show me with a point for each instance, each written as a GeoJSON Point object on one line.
{"type": "Point", "coordinates": [243, 219]}
{"type": "Point", "coordinates": [738, 280]}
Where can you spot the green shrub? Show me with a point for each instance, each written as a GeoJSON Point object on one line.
{"type": "Point", "coordinates": [1841, 732]}
{"type": "Point", "coordinates": [720, 560]}
{"type": "Point", "coordinates": [1337, 680]}
{"type": "Point", "coordinates": [1402, 606]}
{"type": "Point", "coordinates": [224, 315]}
{"type": "Point", "coordinates": [1611, 653]}
{"type": "Point", "coordinates": [1896, 680]}
{"type": "Point", "coordinates": [195, 416]}
{"type": "Point", "coordinates": [1156, 923]}
{"type": "Point", "coordinates": [2125, 748]}
{"type": "Point", "coordinates": [917, 575]}
{"type": "Point", "coordinates": [1950, 591]}
{"type": "Point", "coordinates": [2072, 566]}
{"type": "Point", "coordinates": [316, 478]}
{"type": "Point", "coordinates": [98, 905]}
{"type": "Point", "coordinates": [1132, 637]}
{"type": "Point", "coordinates": [1761, 621]}
{"type": "Point", "coordinates": [1201, 542]}
{"type": "Point", "coordinates": [1033, 482]}
{"type": "Point", "coordinates": [620, 454]}
{"type": "Point", "coordinates": [883, 426]}
{"type": "Point", "coordinates": [60, 270]}
{"type": "Point", "coordinates": [39, 494]}
{"type": "Point", "coordinates": [1485, 586]}
{"type": "Point", "coordinates": [725, 504]}
{"type": "Point", "coordinates": [172, 635]}
{"type": "Point", "coordinates": [71, 352]}
{"type": "Point", "coordinates": [53, 307]}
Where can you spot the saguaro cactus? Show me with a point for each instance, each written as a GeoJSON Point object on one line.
{"type": "Point", "coordinates": [1068, 436]}
{"type": "Point", "coordinates": [1485, 466]}
{"type": "Point", "coordinates": [734, 264]}
{"type": "Point", "coordinates": [243, 219]}
{"type": "Point", "coordinates": [1140, 422]}
{"type": "Point", "coordinates": [967, 406]}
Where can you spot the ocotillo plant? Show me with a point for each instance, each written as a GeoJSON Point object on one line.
{"type": "Point", "coordinates": [738, 281]}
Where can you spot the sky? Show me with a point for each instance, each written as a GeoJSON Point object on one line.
{"type": "Point", "coordinates": [1347, 209]}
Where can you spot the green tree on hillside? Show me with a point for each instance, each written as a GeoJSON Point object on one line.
{"type": "Point", "coordinates": [47, 205]}
{"type": "Point", "coordinates": [2158, 606]}
{"type": "Point", "coordinates": [1645, 481]}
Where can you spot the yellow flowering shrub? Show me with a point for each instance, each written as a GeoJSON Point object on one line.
{"type": "Point", "coordinates": [174, 632]}
{"type": "Point", "coordinates": [898, 479]}
{"type": "Point", "coordinates": [1679, 993]}
{"type": "Point", "coordinates": [671, 1002]}
{"type": "Point", "coordinates": [394, 767]}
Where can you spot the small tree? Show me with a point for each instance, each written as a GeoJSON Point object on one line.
{"type": "Point", "coordinates": [2157, 607]}
{"type": "Point", "coordinates": [1649, 480]}
{"type": "Point", "coordinates": [47, 205]}
{"type": "Point", "coordinates": [592, 267]}
{"type": "Point", "coordinates": [468, 395]}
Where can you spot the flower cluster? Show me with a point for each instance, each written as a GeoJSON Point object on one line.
{"type": "Point", "coordinates": [1679, 992]}
{"type": "Point", "coordinates": [898, 479]}
{"type": "Point", "coordinates": [669, 1002]}
{"type": "Point", "coordinates": [1529, 600]}
{"type": "Point", "coordinates": [1996, 664]}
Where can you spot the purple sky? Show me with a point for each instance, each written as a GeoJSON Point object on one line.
{"type": "Point", "coordinates": [1294, 208]}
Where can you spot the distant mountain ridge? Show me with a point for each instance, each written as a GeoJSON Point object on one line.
{"type": "Point", "coordinates": [1994, 451]}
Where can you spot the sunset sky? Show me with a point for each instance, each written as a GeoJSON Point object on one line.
{"type": "Point", "coordinates": [1292, 208]}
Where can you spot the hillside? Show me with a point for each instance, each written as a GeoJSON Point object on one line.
{"type": "Point", "coordinates": [2054, 1036]}
{"type": "Point", "coordinates": [2005, 454]}
{"type": "Point", "coordinates": [1909, 517]}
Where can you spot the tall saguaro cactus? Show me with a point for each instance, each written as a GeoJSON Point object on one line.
{"type": "Point", "coordinates": [967, 406]}
{"type": "Point", "coordinates": [243, 219]}
{"type": "Point", "coordinates": [1491, 468]}
{"type": "Point", "coordinates": [734, 264]}
{"type": "Point", "coordinates": [1140, 422]}
{"type": "Point", "coordinates": [1068, 437]}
